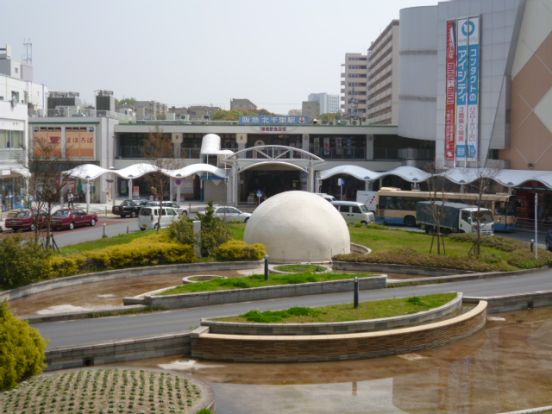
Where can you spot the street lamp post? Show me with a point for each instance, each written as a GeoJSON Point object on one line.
{"type": "Point", "coordinates": [87, 193]}
{"type": "Point", "coordinates": [130, 177]}
{"type": "Point", "coordinates": [112, 183]}
{"type": "Point", "coordinates": [178, 183]}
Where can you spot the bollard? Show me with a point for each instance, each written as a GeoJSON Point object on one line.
{"type": "Point", "coordinates": [531, 244]}
{"type": "Point", "coordinates": [106, 211]}
{"type": "Point", "coordinates": [266, 271]}
{"type": "Point", "coordinates": [128, 230]}
{"type": "Point", "coordinates": [103, 231]}
{"type": "Point", "coordinates": [356, 293]}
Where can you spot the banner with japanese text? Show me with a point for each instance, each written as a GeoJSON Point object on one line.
{"type": "Point", "coordinates": [47, 142]}
{"type": "Point", "coordinates": [467, 88]}
{"type": "Point", "coordinates": [80, 142]}
{"type": "Point", "coordinates": [450, 98]}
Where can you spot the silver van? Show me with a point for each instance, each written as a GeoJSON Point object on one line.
{"type": "Point", "coordinates": [148, 217]}
{"type": "Point", "coordinates": [354, 212]}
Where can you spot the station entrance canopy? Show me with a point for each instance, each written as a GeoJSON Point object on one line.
{"type": "Point", "coordinates": [459, 175]}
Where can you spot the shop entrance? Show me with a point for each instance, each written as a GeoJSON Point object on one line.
{"type": "Point", "coordinates": [270, 180]}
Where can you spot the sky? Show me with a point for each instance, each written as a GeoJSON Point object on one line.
{"type": "Point", "coordinates": [195, 52]}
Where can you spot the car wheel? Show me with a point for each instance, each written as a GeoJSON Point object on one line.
{"type": "Point", "coordinates": [245, 221]}
{"type": "Point", "coordinates": [71, 226]}
{"type": "Point", "coordinates": [365, 223]}
{"type": "Point", "coordinates": [142, 228]}
{"type": "Point", "coordinates": [92, 222]}
{"type": "Point", "coordinates": [409, 221]}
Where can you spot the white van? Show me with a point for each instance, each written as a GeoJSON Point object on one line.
{"type": "Point", "coordinates": [354, 212]}
{"type": "Point", "coordinates": [148, 217]}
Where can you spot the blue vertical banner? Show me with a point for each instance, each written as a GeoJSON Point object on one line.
{"type": "Point", "coordinates": [467, 88]}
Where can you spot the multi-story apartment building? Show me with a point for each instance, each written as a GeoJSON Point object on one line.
{"type": "Point", "coordinates": [19, 99]}
{"type": "Point", "coordinates": [242, 105]}
{"type": "Point", "coordinates": [329, 104]}
{"type": "Point", "coordinates": [354, 86]}
{"type": "Point", "coordinates": [150, 110]}
{"type": "Point", "coordinates": [383, 77]}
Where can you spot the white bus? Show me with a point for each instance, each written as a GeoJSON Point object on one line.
{"type": "Point", "coordinates": [396, 206]}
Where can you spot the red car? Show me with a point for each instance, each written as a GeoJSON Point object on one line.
{"type": "Point", "coordinates": [71, 218]}
{"type": "Point", "coordinates": [25, 219]}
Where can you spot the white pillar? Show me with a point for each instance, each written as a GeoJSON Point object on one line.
{"type": "Point", "coordinates": [178, 184]}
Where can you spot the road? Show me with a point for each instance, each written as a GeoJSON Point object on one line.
{"type": "Point", "coordinates": [98, 330]}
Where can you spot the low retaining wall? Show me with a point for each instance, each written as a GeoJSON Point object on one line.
{"type": "Point", "coordinates": [119, 351]}
{"type": "Point", "coordinates": [189, 300]}
{"type": "Point", "coordinates": [497, 304]}
{"type": "Point", "coordinates": [242, 328]}
{"type": "Point", "coordinates": [302, 348]}
{"type": "Point", "coordinates": [392, 268]}
{"type": "Point", "coordinates": [123, 273]}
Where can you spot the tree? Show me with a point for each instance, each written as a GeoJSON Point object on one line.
{"type": "Point", "coordinates": [46, 185]}
{"type": "Point", "coordinates": [159, 148]}
{"type": "Point", "coordinates": [329, 118]}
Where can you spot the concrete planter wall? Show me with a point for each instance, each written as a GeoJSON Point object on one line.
{"type": "Point", "coordinates": [312, 348]}
{"type": "Point", "coordinates": [119, 351]}
{"type": "Point", "coordinates": [392, 268]}
{"type": "Point", "coordinates": [123, 273]}
{"type": "Point", "coordinates": [239, 328]}
{"type": "Point", "coordinates": [497, 304]}
{"type": "Point", "coordinates": [190, 300]}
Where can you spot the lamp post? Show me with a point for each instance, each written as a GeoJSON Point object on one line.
{"type": "Point", "coordinates": [111, 181]}
{"type": "Point", "coordinates": [178, 183]}
{"type": "Point", "coordinates": [130, 177]}
{"type": "Point", "coordinates": [87, 193]}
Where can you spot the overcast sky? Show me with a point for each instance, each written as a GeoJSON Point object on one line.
{"type": "Point", "coordinates": [189, 52]}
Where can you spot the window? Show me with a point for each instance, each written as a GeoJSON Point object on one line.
{"type": "Point", "coordinates": [11, 139]}
{"type": "Point", "coordinates": [356, 209]}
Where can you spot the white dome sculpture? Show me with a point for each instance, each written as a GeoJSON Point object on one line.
{"type": "Point", "coordinates": [297, 226]}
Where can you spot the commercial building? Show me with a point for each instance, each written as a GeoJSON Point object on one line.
{"type": "Point", "coordinates": [383, 77]}
{"type": "Point", "coordinates": [475, 77]}
{"type": "Point", "coordinates": [354, 86]}
{"type": "Point", "coordinates": [329, 104]}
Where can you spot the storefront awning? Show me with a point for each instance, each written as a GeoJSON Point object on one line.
{"type": "Point", "coordinates": [7, 170]}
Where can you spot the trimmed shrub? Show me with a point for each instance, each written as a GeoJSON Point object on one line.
{"type": "Point", "coordinates": [240, 250]}
{"type": "Point", "coordinates": [59, 266]}
{"type": "Point", "coordinates": [21, 262]}
{"type": "Point", "coordinates": [22, 349]}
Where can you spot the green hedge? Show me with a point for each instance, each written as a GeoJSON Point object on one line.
{"type": "Point", "coordinates": [22, 350]}
{"type": "Point", "coordinates": [240, 250]}
{"type": "Point", "coordinates": [141, 252]}
{"type": "Point", "coordinates": [21, 262]}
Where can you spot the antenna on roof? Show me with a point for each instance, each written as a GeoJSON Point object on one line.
{"type": "Point", "coordinates": [28, 51]}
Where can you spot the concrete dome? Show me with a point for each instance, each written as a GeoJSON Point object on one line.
{"type": "Point", "coordinates": [297, 226]}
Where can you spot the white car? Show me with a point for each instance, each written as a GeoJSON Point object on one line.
{"type": "Point", "coordinates": [148, 217]}
{"type": "Point", "coordinates": [229, 213]}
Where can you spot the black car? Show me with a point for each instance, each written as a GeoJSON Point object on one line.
{"type": "Point", "coordinates": [549, 240]}
{"type": "Point", "coordinates": [128, 208]}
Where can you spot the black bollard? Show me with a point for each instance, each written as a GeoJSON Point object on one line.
{"type": "Point", "coordinates": [356, 293]}
{"type": "Point", "coordinates": [266, 271]}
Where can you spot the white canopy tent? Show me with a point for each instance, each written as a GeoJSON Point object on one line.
{"type": "Point", "coordinates": [459, 175]}
{"type": "Point", "coordinates": [90, 172]}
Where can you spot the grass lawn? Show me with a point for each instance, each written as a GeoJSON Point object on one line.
{"type": "Point", "coordinates": [259, 281]}
{"type": "Point", "coordinates": [300, 268]}
{"type": "Point", "coordinates": [109, 241]}
{"type": "Point", "coordinates": [237, 230]}
{"type": "Point", "coordinates": [341, 313]}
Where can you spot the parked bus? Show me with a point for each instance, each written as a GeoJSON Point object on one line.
{"type": "Point", "coordinates": [396, 206]}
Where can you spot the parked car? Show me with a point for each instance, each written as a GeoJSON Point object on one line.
{"type": "Point", "coordinates": [229, 214]}
{"type": "Point", "coordinates": [25, 219]}
{"type": "Point", "coordinates": [354, 212]}
{"type": "Point", "coordinates": [129, 208]}
{"type": "Point", "coordinates": [71, 218]}
{"type": "Point", "coordinates": [148, 217]}
{"type": "Point", "coordinates": [548, 240]}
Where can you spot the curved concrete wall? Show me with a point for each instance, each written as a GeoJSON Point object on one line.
{"type": "Point", "coordinates": [190, 300]}
{"type": "Point", "coordinates": [371, 325]}
{"type": "Point", "coordinates": [122, 273]}
{"type": "Point", "coordinates": [304, 348]}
